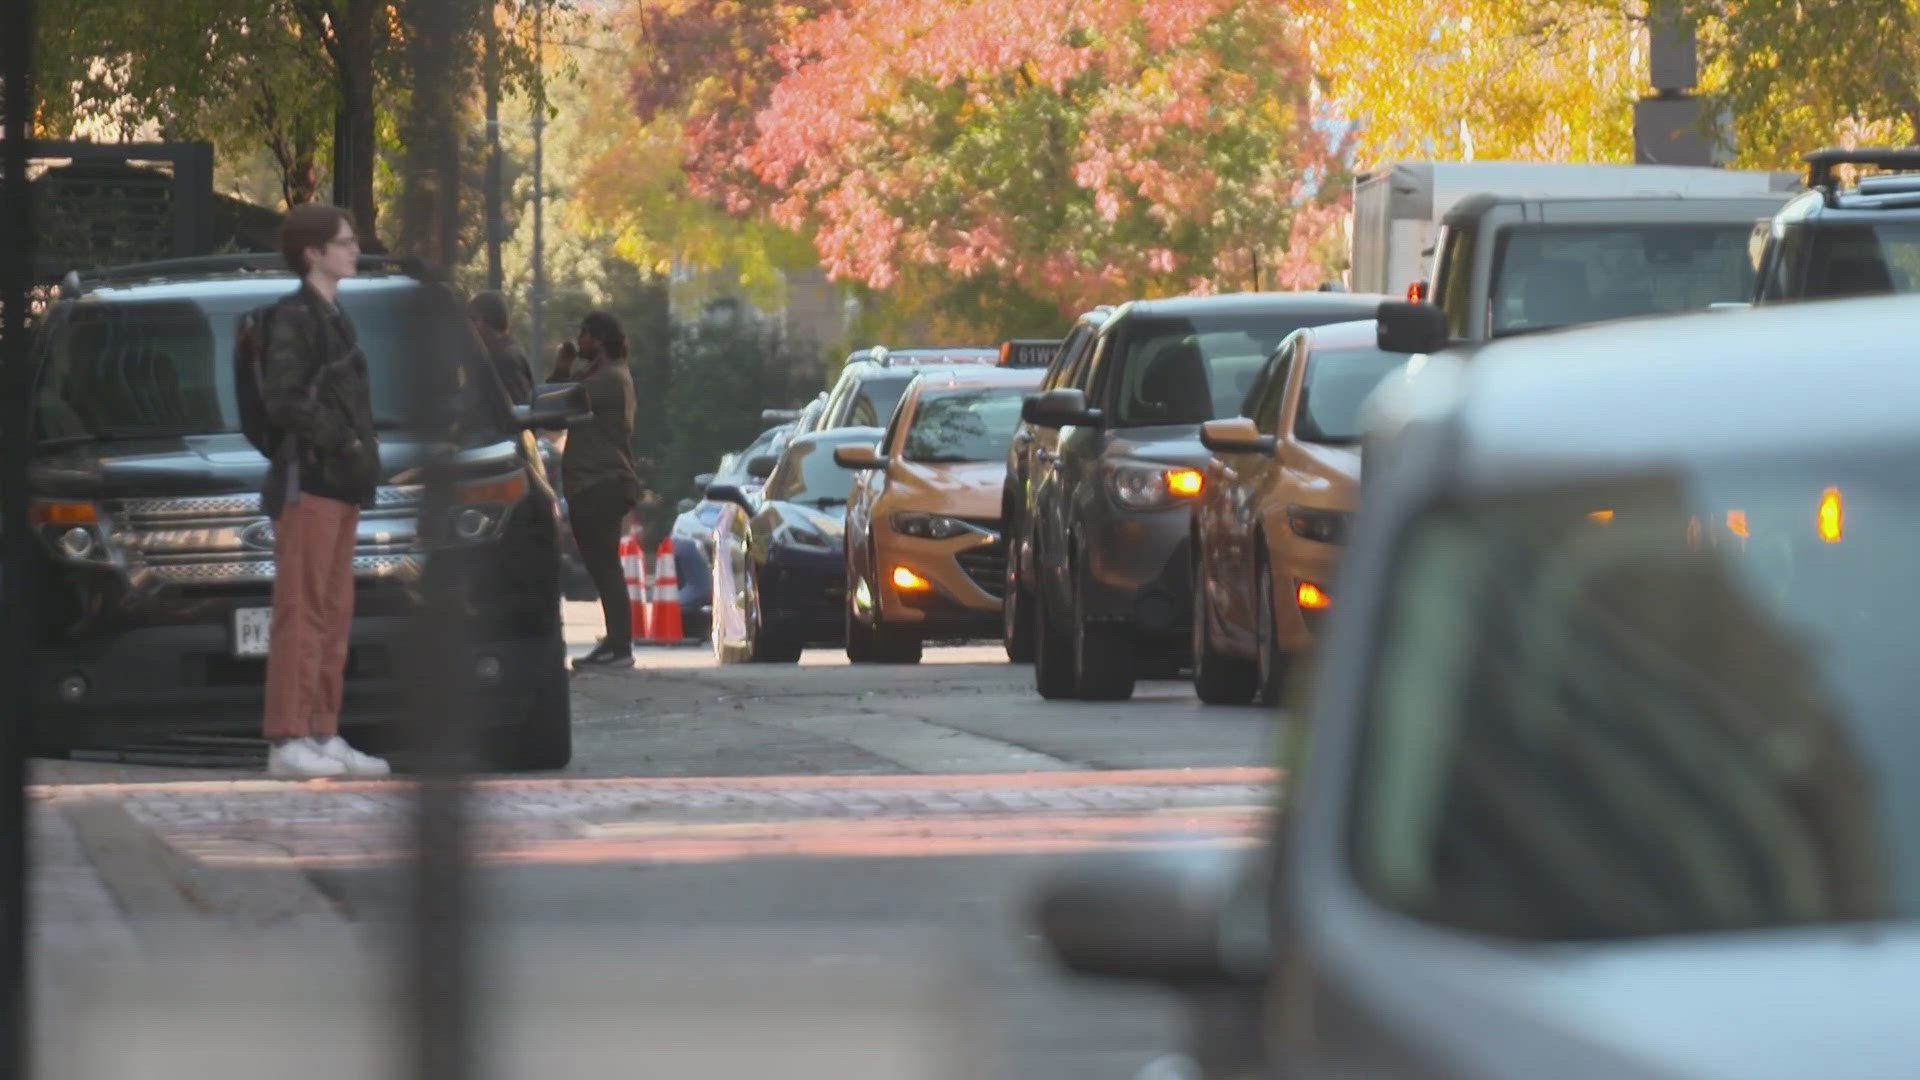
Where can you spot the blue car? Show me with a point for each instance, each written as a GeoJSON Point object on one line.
{"type": "Point", "coordinates": [779, 565]}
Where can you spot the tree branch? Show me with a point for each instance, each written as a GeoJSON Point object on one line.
{"type": "Point", "coordinates": [321, 18]}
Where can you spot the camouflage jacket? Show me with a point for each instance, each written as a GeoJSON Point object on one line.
{"type": "Point", "coordinates": [315, 389]}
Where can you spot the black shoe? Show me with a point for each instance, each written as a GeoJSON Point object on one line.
{"type": "Point", "coordinates": [606, 654]}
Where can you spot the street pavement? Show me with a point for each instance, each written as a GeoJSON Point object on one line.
{"type": "Point", "coordinates": [889, 823]}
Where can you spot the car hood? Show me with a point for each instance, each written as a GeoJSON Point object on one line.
{"type": "Point", "coordinates": [1173, 444]}
{"type": "Point", "coordinates": [213, 465]}
{"type": "Point", "coordinates": [1773, 1005]}
{"type": "Point", "coordinates": [830, 522]}
{"type": "Point", "coordinates": [966, 490]}
{"type": "Point", "coordinates": [1337, 465]}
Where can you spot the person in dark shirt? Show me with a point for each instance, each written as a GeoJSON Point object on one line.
{"type": "Point", "coordinates": [598, 475]}
{"type": "Point", "coordinates": [488, 312]}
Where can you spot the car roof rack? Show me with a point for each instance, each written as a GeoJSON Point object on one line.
{"type": "Point", "coordinates": [257, 262]}
{"type": "Point", "coordinates": [1822, 163]}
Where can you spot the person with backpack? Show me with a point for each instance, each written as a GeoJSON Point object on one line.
{"type": "Point", "coordinates": [314, 420]}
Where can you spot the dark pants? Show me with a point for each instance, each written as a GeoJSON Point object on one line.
{"type": "Point", "coordinates": [597, 516]}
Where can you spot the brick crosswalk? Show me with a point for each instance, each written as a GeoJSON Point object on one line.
{"type": "Point", "coordinates": [598, 821]}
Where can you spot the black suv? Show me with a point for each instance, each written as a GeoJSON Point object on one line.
{"type": "Point", "coordinates": [157, 562]}
{"type": "Point", "coordinates": [1104, 534]}
{"type": "Point", "coordinates": [1834, 241]}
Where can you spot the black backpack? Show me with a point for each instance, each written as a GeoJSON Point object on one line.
{"type": "Point", "coordinates": [249, 375]}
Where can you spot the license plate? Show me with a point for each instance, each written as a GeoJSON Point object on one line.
{"type": "Point", "coordinates": [252, 631]}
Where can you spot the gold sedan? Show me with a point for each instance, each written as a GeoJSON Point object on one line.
{"type": "Point", "coordinates": [925, 556]}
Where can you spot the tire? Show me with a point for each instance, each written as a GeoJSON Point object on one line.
{"type": "Point", "coordinates": [768, 643]}
{"type": "Point", "coordinates": [1103, 656]}
{"type": "Point", "coordinates": [897, 649]}
{"type": "Point", "coordinates": [1052, 654]}
{"type": "Point", "coordinates": [1271, 664]}
{"type": "Point", "coordinates": [544, 740]}
{"type": "Point", "coordinates": [1016, 622]}
{"type": "Point", "coordinates": [859, 636]}
{"type": "Point", "coordinates": [1218, 679]}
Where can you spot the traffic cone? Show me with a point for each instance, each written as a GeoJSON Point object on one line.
{"type": "Point", "coordinates": [663, 615]}
{"type": "Point", "coordinates": [634, 562]}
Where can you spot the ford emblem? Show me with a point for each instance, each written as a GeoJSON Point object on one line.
{"type": "Point", "coordinates": [258, 536]}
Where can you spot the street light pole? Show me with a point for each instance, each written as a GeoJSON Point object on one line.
{"type": "Point", "coordinates": [538, 300]}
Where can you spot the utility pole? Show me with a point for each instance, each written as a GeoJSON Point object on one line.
{"type": "Point", "coordinates": [491, 79]}
{"type": "Point", "coordinates": [537, 302]}
{"type": "Point", "coordinates": [1671, 126]}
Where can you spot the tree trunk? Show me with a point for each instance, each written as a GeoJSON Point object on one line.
{"type": "Point", "coordinates": [353, 127]}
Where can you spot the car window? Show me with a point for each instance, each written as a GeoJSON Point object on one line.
{"type": "Point", "coordinates": [140, 368]}
{"type": "Point", "coordinates": [1454, 288]}
{"type": "Point", "coordinates": [808, 474]}
{"type": "Point", "coordinates": [1336, 384]}
{"type": "Point", "coordinates": [967, 425]}
{"type": "Point", "coordinates": [1547, 276]}
{"type": "Point", "coordinates": [1064, 360]}
{"type": "Point", "coordinates": [875, 398]}
{"type": "Point", "coordinates": [1860, 259]}
{"type": "Point", "coordinates": [1675, 704]}
{"type": "Point", "coordinates": [1263, 405]}
{"type": "Point", "coordinates": [1181, 370]}
{"type": "Point", "coordinates": [1080, 375]}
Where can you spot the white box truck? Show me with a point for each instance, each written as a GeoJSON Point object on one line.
{"type": "Point", "coordinates": [1397, 209]}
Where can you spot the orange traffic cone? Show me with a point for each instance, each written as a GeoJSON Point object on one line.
{"type": "Point", "coordinates": [663, 615]}
{"type": "Point", "coordinates": [634, 562]}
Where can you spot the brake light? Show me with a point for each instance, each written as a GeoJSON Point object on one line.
{"type": "Point", "coordinates": [1832, 516]}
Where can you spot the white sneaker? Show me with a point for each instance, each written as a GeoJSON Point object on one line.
{"type": "Point", "coordinates": [355, 762]}
{"type": "Point", "coordinates": [299, 759]}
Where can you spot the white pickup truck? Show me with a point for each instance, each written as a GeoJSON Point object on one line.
{"type": "Point", "coordinates": [1398, 210]}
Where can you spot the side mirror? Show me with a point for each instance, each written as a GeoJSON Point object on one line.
{"type": "Point", "coordinates": [1410, 328]}
{"type": "Point", "coordinates": [762, 467]}
{"type": "Point", "coordinates": [1058, 408]}
{"type": "Point", "coordinates": [556, 406]}
{"type": "Point", "coordinates": [1179, 919]}
{"type": "Point", "coordinates": [730, 493]}
{"type": "Point", "coordinates": [858, 456]}
{"type": "Point", "coordinates": [1235, 435]}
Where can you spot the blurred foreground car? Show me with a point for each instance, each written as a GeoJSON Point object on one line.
{"type": "Point", "coordinates": [1273, 511]}
{"type": "Point", "coordinates": [925, 557]}
{"type": "Point", "coordinates": [1610, 767]}
{"type": "Point", "coordinates": [779, 581]}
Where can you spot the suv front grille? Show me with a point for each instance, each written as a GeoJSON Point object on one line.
{"type": "Point", "coordinates": [214, 540]}
{"type": "Point", "coordinates": [260, 571]}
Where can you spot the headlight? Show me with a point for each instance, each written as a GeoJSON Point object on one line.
{"type": "Point", "coordinates": [929, 526]}
{"type": "Point", "coordinates": [72, 530]}
{"type": "Point", "coordinates": [1325, 526]}
{"type": "Point", "coordinates": [1152, 487]}
{"type": "Point", "coordinates": [480, 508]}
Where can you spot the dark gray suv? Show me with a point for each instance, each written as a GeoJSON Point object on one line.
{"type": "Point", "coordinates": [1110, 504]}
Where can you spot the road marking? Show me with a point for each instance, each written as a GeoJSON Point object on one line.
{"type": "Point", "coordinates": [558, 821]}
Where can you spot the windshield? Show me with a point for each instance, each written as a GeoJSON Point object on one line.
{"type": "Point", "coordinates": [1189, 371]}
{"type": "Point", "coordinates": [1862, 259]}
{"type": "Point", "coordinates": [808, 475]}
{"type": "Point", "coordinates": [954, 426]}
{"type": "Point", "coordinates": [151, 368]}
{"type": "Point", "coordinates": [1336, 384]}
{"type": "Point", "coordinates": [1677, 705]}
{"type": "Point", "coordinates": [875, 397]}
{"type": "Point", "coordinates": [1549, 276]}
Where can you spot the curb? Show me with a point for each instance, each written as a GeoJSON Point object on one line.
{"type": "Point", "coordinates": [177, 905]}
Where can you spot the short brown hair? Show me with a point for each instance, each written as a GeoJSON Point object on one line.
{"type": "Point", "coordinates": [309, 225]}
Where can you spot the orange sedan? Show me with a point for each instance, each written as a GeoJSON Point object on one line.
{"type": "Point", "coordinates": [925, 556]}
{"type": "Point", "coordinates": [1267, 532]}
